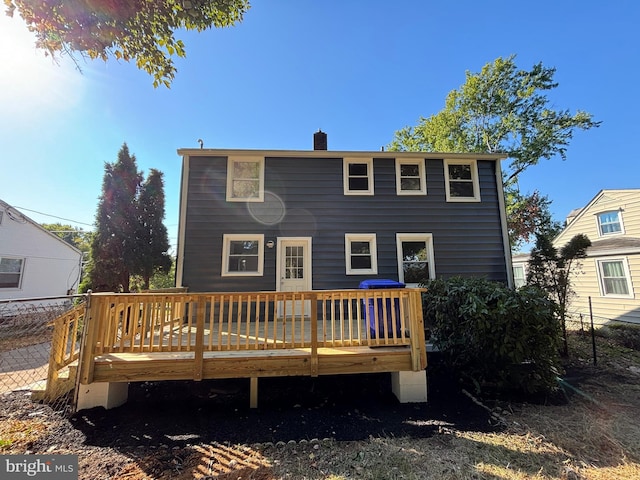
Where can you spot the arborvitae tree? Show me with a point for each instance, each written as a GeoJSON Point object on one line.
{"type": "Point", "coordinates": [153, 241]}
{"type": "Point", "coordinates": [551, 270]}
{"type": "Point", "coordinates": [113, 248]}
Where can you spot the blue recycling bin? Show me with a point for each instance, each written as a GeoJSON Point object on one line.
{"type": "Point", "coordinates": [380, 327]}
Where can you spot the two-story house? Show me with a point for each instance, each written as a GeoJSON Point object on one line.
{"type": "Point", "coordinates": [285, 220]}
{"type": "Point", "coordinates": [610, 275]}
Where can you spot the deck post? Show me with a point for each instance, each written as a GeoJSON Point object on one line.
{"type": "Point", "coordinates": [314, 336]}
{"type": "Point", "coordinates": [417, 339]}
{"type": "Point", "coordinates": [55, 358]}
{"type": "Point", "coordinates": [199, 347]}
{"type": "Point", "coordinates": [87, 355]}
{"type": "Point", "coordinates": [253, 392]}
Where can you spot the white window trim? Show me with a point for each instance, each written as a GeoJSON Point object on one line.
{"type": "Point", "coordinates": [226, 243]}
{"type": "Point", "coordinates": [598, 225]}
{"type": "Point", "coordinates": [415, 237]}
{"type": "Point", "coordinates": [260, 161]}
{"type": "Point", "coordinates": [345, 175]}
{"type": "Point", "coordinates": [520, 266]}
{"type": "Point", "coordinates": [474, 180]}
{"type": "Point", "coordinates": [361, 237]}
{"type": "Point", "coordinates": [421, 174]}
{"type": "Point", "coordinates": [627, 276]}
{"type": "Point", "coordinates": [20, 281]}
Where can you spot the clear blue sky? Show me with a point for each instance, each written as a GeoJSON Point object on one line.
{"type": "Point", "coordinates": [357, 69]}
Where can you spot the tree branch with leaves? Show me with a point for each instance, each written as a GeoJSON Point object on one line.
{"type": "Point", "coordinates": [132, 30]}
{"type": "Point", "coordinates": [502, 109]}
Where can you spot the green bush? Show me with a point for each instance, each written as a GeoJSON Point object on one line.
{"type": "Point", "coordinates": [495, 337]}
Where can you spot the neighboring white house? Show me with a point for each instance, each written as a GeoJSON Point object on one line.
{"type": "Point", "coordinates": [34, 263]}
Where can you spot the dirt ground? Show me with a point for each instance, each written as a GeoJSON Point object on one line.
{"type": "Point", "coordinates": [334, 428]}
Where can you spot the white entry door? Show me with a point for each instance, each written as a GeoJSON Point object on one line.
{"type": "Point", "coordinates": [294, 267]}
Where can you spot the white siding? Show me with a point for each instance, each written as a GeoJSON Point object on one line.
{"type": "Point", "coordinates": [51, 266]}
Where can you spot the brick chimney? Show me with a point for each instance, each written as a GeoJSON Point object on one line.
{"type": "Point", "coordinates": [319, 140]}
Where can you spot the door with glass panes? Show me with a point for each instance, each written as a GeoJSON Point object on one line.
{"type": "Point", "coordinates": [294, 268]}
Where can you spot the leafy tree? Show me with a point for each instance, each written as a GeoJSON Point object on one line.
{"type": "Point", "coordinates": [139, 30]}
{"type": "Point", "coordinates": [502, 109]}
{"type": "Point", "coordinates": [551, 270]}
{"type": "Point", "coordinates": [153, 240]}
{"type": "Point", "coordinates": [74, 236]}
{"type": "Point", "coordinates": [113, 249]}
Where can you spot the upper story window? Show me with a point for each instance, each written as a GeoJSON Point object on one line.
{"type": "Point", "coordinates": [614, 278]}
{"type": "Point", "coordinates": [609, 223]}
{"type": "Point", "coordinates": [11, 270]}
{"type": "Point", "coordinates": [410, 177]}
{"type": "Point", "coordinates": [415, 258]}
{"type": "Point", "coordinates": [242, 255]}
{"type": "Point", "coordinates": [358, 176]}
{"type": "Point", "coordinates": [361, 253]}
{"type": "Point", "coordinates": [461, 179]}
{"type": "Point", "coordinates": [245, 179]}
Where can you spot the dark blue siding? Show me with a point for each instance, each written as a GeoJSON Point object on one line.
{"type": "Point", "coordinates": [467, 237]}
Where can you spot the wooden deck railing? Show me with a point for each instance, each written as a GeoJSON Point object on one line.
{"type": "Point", "coordinates": [65, 347]}
{"type": "Point", "coordinates": [252, 322]}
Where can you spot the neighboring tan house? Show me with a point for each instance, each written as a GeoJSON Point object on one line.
{"type": "Point", "coordinates": [611, 272]}
{"type": "Point", "coordinates": [610, 275]}
{"type": "Point", "coordinates": [283, 220]}
{"type": "Point", "coordinates": [34, 263]}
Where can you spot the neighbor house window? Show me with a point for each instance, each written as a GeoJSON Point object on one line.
{"type": "Point", "coordinates": [11, 272]}
{"type": "Point", "coordinates": [519, 278]}
{"type": "Point", "coordinates": [461, 179]}
{"type": "Point", "coordinates": [242, 255]}
{"type": "Point", "coordinates": [415, 258]}
{"type": "Point", "coordinates": [615, 278]}
{"type": "Point", "coordinates": [361, 253]}
{"type": "Point", "coordinates": [358, 176]}
{"type": "Point", "coordinates": [609, 223]}
{"type": "Point", "coordinates": [245, 179]}
{"type": "Point", "coordinates": [410, 177]}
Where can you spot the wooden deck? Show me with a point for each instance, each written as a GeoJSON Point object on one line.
{"type": "Point", "coordinates": [178, 336]}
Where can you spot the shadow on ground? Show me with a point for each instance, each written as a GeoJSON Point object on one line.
{"type": "Point", "coordinates": [344, 407]}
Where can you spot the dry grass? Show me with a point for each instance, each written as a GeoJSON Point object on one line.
{"type": "Point", "coordinates": [595, 435]}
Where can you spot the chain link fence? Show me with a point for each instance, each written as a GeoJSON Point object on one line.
{"type": "Point", "coordinates": [26, 339]}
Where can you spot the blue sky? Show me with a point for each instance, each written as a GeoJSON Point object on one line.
{"type": "Point", "coordinates": [357, 69]}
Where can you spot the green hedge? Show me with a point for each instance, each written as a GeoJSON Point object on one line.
{"type": "Point", "coordinates": [493, 336]}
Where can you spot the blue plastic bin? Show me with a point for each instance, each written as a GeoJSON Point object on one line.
{"type": "Point", "coordinates": [378, 327]}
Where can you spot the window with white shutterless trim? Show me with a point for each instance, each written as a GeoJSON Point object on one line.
{"type": "Point", "coordinates": [610, 223]}
{"type": "Point", "coordinates": [410, 176]}
{"type": "Point", "coordinates": [361, 253]}
{"type": "Point", "coordinates": [11, 271]}
{"type": "Point", "coordinates": [357, 175]}
{"type": "Point", "coordinates": [415, 258]}
{"type": "Point", "coordinates": [615, 279]}
{"type": "Point", "coordinates": [245, 179]}
{"type": "Point", "coordinates": [461, 180]}
{"type": "Point", "coordinates": [242, 255]}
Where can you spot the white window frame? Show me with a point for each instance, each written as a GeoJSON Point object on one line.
{"type": "Point", "coordinates": [415, 237]}
{"type": "Point", "coordinates": [373, 249]}
{"type": "Point", "coordinates": [230, 161]}
{"type": "Point", "coordinates": [599, 223]}
{"type": "Point", "coordinates": [627, 277]}
{"type": "Point", "coordinates": [524, 274]}
{"type": "Point", "coordinates": [21, 277]}
{"type": "Point", "coordinates": [421, 175]}
{"type": "Point", "coordinates": [474, 180]}
{"type": "Point", "coordinates": [226, 249]}
{"type": "Point", "coordinates": [345, 175]}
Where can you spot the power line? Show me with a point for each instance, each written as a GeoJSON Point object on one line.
{"type": "Point", "coordinates": [54, 216]}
